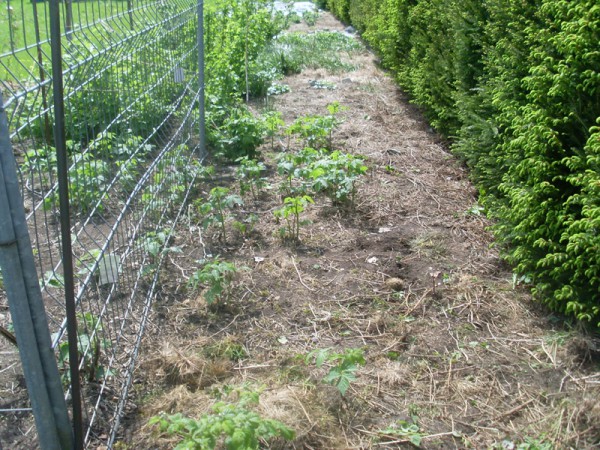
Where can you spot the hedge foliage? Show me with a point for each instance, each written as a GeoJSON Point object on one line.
{"type": "Point", "coordinates": [515, 85]}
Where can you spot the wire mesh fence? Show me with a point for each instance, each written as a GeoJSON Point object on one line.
{"type": "Point", "coordinates": [132, 140]}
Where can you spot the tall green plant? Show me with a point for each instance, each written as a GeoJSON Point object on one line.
{"type": "Point", "coordinates": [250, 176]}
{"type": "Point", "coordinates": [218, 277]}
{"type": "Point", "coordinates": [290, 212]}
{"type": "Point", "coordinates": [216, 210]}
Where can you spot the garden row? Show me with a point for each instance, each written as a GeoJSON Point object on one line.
{"type": "Point", "coordinates": [515, 86]}
{"type": "Point", "coordinates": [294, 166]}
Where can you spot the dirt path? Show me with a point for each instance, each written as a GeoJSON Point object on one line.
{"type": "Point", "coordinates": [453, 349]}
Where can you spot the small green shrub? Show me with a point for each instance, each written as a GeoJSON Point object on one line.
{"type": "Point", "coordinates": [310, 17]}
{"type": "Point", "coordinates": [292, 209]}
{"type": "Point", "coordinates": [234, 425]}
{"type": "Point", "coordinates": [344, 364]}
{"type": "Point", "coordinates": [216, 210]}
{"type": "Point", "coordinates": [273, 123]}
{"type": "Point", "coordinates": [218, 277]}
{"type": "Point", "coordinates": [317, 131]}
{"type": "Point", "coordinates": [293, 166]}
{"type": "Point", "coordinates": [249, 174]}
{"type": "Point", "coordinates": [336, 175]}
{"type": "Point", "coordinates": [234, 131]}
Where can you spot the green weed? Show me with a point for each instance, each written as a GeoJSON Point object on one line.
{"type": "Point", "coordinates": [344, 367]}
{"type": "Point", "coordinates": [235, 424]}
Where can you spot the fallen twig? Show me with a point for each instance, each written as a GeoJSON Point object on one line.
{"type": "Point", "coordinates": [300, 276]}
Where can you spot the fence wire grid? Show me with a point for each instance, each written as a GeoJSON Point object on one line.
{"type": "Point", "coordinates": [131, 95]}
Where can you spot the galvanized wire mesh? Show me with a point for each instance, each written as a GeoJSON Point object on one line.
{"type": "Point", "coordinates": [131, 93]}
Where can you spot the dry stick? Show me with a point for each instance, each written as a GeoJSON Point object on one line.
{"type": "Point", "coordinates": [416, 305]}
{"type": "Point", "coordinates": [186, 359]}
{"type": "Point", "coordinates": [407, 441]}
{"type": "Point", "coordinates": [255, 366]}
{"type": "Point", "coordinates": [300, 276]}
{"type": "Point", "coordinates": [514, 410]}
{"type": "Point", "coordinates": [303, 409]}
{"type": "Point", "coordinates": [224, 328]}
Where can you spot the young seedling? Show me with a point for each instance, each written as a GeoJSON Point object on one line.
{"type": "Point", "coordinates": [245, 226]}
{"type": "Point", "coordinates": [317, 131]}
{"type": "Point", "coordinates": [334, 109]}
{"type": "Point", "coordinates": [218, 277]}
{"type": "Point", "coordinates": [216, 209]}
{"type": "Point", "coordinates": [405, 430]}
{"type": "Point", "coordinates": [313, 130]}
{"type": "Point", "coordinates": [292, 208]}
{"type": "Point", "coordinates": [249, 174]}
{"type": "Point", "coordinates": [156, 244]}
{"type": "Point", "coordinates": [233, 424]}
{"type": "Point", "coordinates": [273, 123]}
{"type": "Point", "coordinates": [344, 367]}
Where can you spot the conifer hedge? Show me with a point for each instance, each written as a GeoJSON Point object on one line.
{"type": "Point", "coordinates": [515, 86]}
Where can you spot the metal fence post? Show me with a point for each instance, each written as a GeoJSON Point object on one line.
{"type": "Point", "coordinates": [202, 119]}
{"type": "Point", "coordinates": [60, 143]}
{"type": "Point", "coordinates": [27, 307]}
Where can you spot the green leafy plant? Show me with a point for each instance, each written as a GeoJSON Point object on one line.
{"type": "Point", "coordinates": [235, 132]}
{"type": "Point", "coordinates": [278, 89]}
{"type": "Point", "coordinates": [218, 278]}
{"type": "Point", "coordinates": [292, 209]}
{"type": "Point", "coordinates": [317, 131]}
{"type": "Point", "coordinates": [293, 166]}
{"type": "Point", "coordinates": [233, 424]}
{"type": "Point", "coordinates": [89, 346]}
{"type": "Point", "coordinates": [527, 444]}
{"type": "Point", "coordinates": [217, 209]}
{"type": "Point", "coordinates": [313, 130]}
{"type": "Point", "coordinates": [52, 279]}
{"type": "Point", "coordinates": [294, 51]}
{"type": "Point", "coordinates": [310, 17]}
{"type": "Point", "coordinates": [88, 179]}
{"type": "Point", "coordinates": [343, 365]}
{"type": "Point", "coordinates": [273, 123]}
{"type": "Point", "coordinates": [322, 84]}
{"type": "Point", "coordinates": [249, 174]}
{"type": "Point", "coordinates": [156, 244]}
{"type": "Point", "coordinates": [246, 225]}
{"type": "Point", "coordinates": [405, 430]}
{"type": "Point", "coordinates": [336, 174]}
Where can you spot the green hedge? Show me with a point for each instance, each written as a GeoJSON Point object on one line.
{"type": "Point", "coordinates": [515, 86]}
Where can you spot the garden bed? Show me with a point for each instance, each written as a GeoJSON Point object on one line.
{"type": "Point", "coordinates": [456, 354]}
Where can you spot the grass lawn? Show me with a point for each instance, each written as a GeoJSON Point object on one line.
{"type": "Point", "coordinates": [93, 23]}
